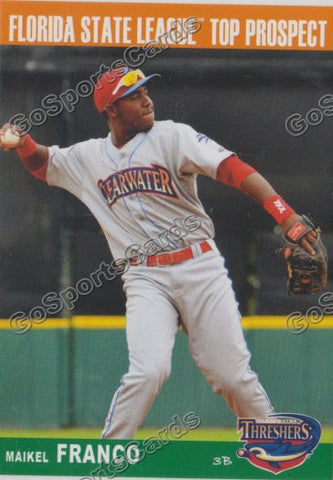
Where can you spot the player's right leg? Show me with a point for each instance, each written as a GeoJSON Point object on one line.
{"type": "Point", "coordinates": [151, 327]}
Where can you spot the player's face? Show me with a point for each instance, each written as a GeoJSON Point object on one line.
{"type": "Point", "coordinates": [135, 113]}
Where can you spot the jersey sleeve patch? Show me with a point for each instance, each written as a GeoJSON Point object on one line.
{"type": "Point", "coordinates": [202, 138]}
{"type": "Point", "coordinates": [198, 153]}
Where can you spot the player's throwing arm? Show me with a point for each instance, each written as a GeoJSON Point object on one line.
{"type": "Point", "coordinates": [33, 156]}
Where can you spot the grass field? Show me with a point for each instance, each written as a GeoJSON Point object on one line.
{"type": "Point", "coordinates": [201, 434]}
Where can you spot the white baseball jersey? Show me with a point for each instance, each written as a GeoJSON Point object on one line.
{"type": "Point", "coordinates": [145, 195]}
{"type": "Point", "coordinates": [142, 191]}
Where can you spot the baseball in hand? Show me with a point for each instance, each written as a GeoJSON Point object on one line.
{"type": "Point", "coordinates": [9, 139]}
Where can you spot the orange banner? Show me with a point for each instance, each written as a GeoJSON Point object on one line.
{"type": "Point", "coordinates": [158, 26]}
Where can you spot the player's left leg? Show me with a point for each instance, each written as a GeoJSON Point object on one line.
{"type": "Point", "coordinates": [211, 316]}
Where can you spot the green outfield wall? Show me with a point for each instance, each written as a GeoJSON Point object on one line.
{"type": "Point", "coordinates": [63, 373]}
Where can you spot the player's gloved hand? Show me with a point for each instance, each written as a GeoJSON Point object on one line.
{"type": "Point", "coordinates": [11, 137]}
{"type": "Point", "coordinates": [305, 238]}
{"type": "Point", "coordinates": [305, 254]}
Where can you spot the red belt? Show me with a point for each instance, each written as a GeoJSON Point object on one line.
{"type": "Point", "coordinates": [171, 258]}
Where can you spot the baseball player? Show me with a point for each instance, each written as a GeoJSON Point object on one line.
{"type": "Point", "coordinates": [136, 182]}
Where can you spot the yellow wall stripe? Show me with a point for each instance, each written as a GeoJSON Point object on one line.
{"type": "Point", "coordinates": [107, 322]}
{"type": "Point", "coordinates": [99, 322]}
{"type": "Point", "coordinates": [275, 322]}
{"type": "Point", "coordinates": [47, 324]}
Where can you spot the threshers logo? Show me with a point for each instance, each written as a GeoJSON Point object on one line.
{"type": "Point", "coordinates": [276, 446]}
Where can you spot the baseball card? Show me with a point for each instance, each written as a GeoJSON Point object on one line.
{"type": "Point", "coordinates": [166, 301]}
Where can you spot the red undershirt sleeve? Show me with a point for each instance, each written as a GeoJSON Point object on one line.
{"type": "Point", "coordinates": [233, 171]}
{"type": "Point", "coordinates": [33, 161]}
{"type": "Point", "coordinates": [39, 172]}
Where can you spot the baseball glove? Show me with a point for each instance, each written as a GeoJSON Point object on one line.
{"type": "Point", "coordinates": [306, 273]}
